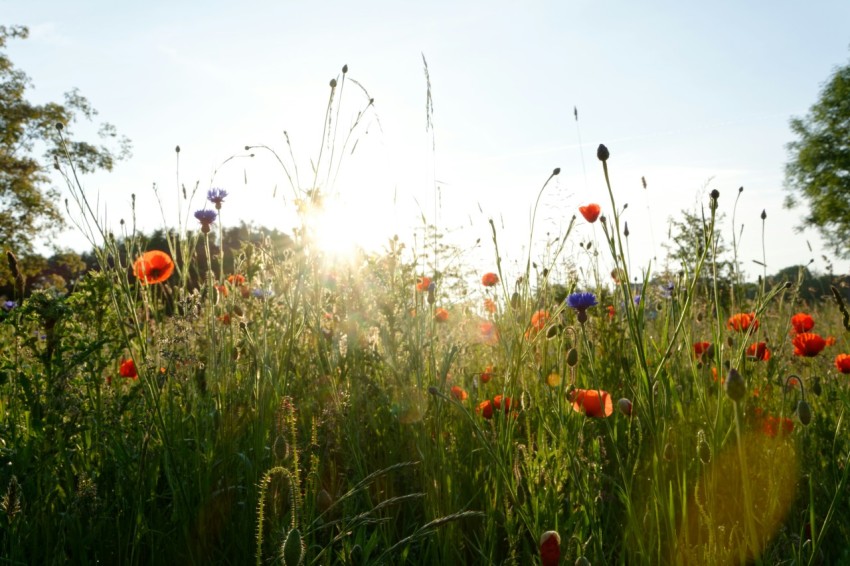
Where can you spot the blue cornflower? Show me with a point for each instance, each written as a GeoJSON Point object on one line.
{"type": "Point", "coordinates": [261, 293]}
{"type": "Point", "coordinates": [581, 302]}
{"type": "Point", "coordinates": [9, 305]}
{"type": "Point", "coordinates": [205, 217]}
{"type": "Point", "coordinates": [637, 300]}
{"type": "Point", "coordinates": [216, 196]}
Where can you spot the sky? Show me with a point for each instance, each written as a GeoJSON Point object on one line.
{"type": "Point", "coordinates": [690, 96]}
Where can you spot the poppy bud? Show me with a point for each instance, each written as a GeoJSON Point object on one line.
{"type": "Point", "coordinates": [344, 69]}
{"type": "Point", "coordinates": [734, 385]}
{"type": "Point", "coordinates": [763, 214]}
{"type": "Point", "coordinates": [177, 149]}
{"type": "Point", "coordinates": [715, 194]}
{"type": "Point", "coordinates": [669, 452]}
{"type": "Point", "coordinates": [515, 300]}
{"type": "Point", "coordinates": [333, 83]}
{"type": "Point", "coordinates": [572, 357]}
{"type": "Point", "coordinates": [626, 230]}
{"type": "Point", "coordinates": [602, 153]}
{"type": "Point", "coordinates": [625, 407]}
{"type": "Point", "coordinates": [292, 551]}
{"type": "Point", "coordinates": [804, 412]}
{"type": "Point", "coordinates": [60, 126]}
{"type": "Point", "coordinates": [550, 548]}
{"type": "Point", "coordinates": [557, 171]}
{"type": "Point", "coordinates": [433, 390]}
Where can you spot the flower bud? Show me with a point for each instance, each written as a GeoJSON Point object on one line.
{"type": "Point", "coordinates": [804, 412]}
{"type": "Point", "coordinates": [572, 357]}
{"type": "Point", "coordinates": [625, 406]}
{"type": "Point", "coordinates": [602, 153]}
{"type": "Point", "coordinates": [292, 550]}
{"type": "Point", "coordinates": [734, 385]}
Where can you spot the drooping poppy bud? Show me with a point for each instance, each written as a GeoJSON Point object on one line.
{"type": "Point", "coordinates": [734, 385]}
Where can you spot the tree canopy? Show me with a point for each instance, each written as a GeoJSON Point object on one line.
{"type": "Point", "coordinates": [30, 141]}
{"type": "Point", "coordinates": [818, 172]}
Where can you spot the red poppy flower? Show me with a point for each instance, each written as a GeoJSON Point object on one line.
{"type": "Point", "coordinates": [741, 322]}
{"type": "Point", "coordinates": [490, 305]}
{"type": "Point", "coordinates": [423, 283]}
{"type": "Point", "coordinates": [611, 312]}
{"type": "Point", "coordinates": [771, 426]}
{"type": "Point", "coordinates": [701, 348]}
{"type": "Point", "coordinates": [485, 408]}
{"type": "Point", "coordinates": [808, 344]}
{"type": "Point", "coordinates": [592, 402]}
{"type": "Point", "coordinates": [486, 375]}
{"type": "Point", "coordinates": [539, 319]}
{"type": "Point", "coordinates": [590, 212]}
{"type": "Point", "coordinates": [830, 340]}
{"type": "Point", "coordinates": [759, 351]}
{"type": "Point", "coordinates": [502, 403]}
{"type": "Point", "coordinates": [802, 322]}
{"type": "Point", "coordinates": [128, 369]}
{"type": "Point", "coordinates": [236, 280]}
{"type": "Point", "coordinates": [459, 393]}
{"type": "Point", "coordinates": [441, 315]}
{"type": "Point", "coordinates": [550, 548]}
{"type": "Point", "coordinates": [842, 362]}
{"type": "Point", "coordinates": [153, 267]}
{"type": "Point", "coordinates": [489, 334]}
{"type": "Point", "coordinates": [490, 280]}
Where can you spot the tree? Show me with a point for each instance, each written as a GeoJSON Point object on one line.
{"type": "Point", "coordinates": [29, 207]}
{"type": "Point", "coordinates": [818, 172]}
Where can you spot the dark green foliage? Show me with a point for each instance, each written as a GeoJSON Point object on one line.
{"type": "Point", "coordinates": [818, 171]}
{"type": "Point", "coordinates": [31, 144]}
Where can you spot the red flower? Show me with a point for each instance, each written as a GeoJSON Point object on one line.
{"type": "Point", "coordinates": [759, 351]}
{"type": "Point", "coordinates": [459, 393]}
{"type": "Point", "coordinates": [500, 402]}
{"type": "Point", "coordinates": [701, 349]}
{"type": "Point", "coordinates": [490, 305]}
{"type": "Point", "coordinates": [489, 334]}
{"type": "Point", "coordinates": [550, 548]}
{"type": "Point", "coordinates": [441, 315]}
{"type": "Point", "coordinates": [153, 267]}
{"type": "Point", "coordinates": [486, 374]}
{"type": "Point", "coordinates": [485, 408]}
{"type": "Point", "coordinates": [802, 322]}
{"type": "Point", "coordinates": [490, 280]}
{"type": "Point", "coordinates": [590, 212]}
{"type": "Point", "coordinates": [610, 312]}
{"type": "Point", "coordinates": [808, 344]}
{"type": "Point", "coordinates": [592, 402]}
{"type": "Point", "coordinates": [830, 340]}
{"type": "Point", "coordinates": [539, 319]}
{"type": "Point", "coordinates": [423, 283]}
{"type": "Point", "coordinates": [236, 280]}
{"type": "Point", "coordinates": [771, 426]}
{"type": "Point", "coordinates": [741, 322]}
{"type": "Point", "coordinates": [842, 362]}
{"type": "Point", "coordinates": [128, 369]}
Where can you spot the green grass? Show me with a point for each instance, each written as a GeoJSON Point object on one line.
{"type": "Point", "coordinates": [308, 414]}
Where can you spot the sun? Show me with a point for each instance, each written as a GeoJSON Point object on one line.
{"type": "Point", "coordinates": [341, 229]}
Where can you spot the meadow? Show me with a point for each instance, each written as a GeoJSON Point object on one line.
{"type": "Point", "coordinates": [259, 403]}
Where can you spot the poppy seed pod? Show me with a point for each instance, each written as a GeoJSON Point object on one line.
{"type": "Point", "coordinates": [734, 386]}
{"type": "Point", "coordinates": [602, 153]}
{"type": "Point", "coordinates": [804, 412]}
{"type": "Point", "coordinates": [625, 406]}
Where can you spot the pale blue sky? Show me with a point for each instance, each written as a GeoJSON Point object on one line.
{"type": "Point", "coordinates": [679, 92]}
